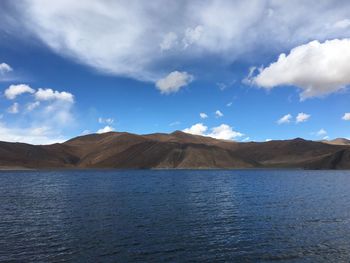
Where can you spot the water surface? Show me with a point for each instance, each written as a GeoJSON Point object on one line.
{"type": "Point", "coordinates": [175, 216]}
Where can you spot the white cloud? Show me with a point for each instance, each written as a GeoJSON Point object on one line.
{"type": "Point", "coordinates": [105, 129]}
{"type": "Point", "coordinates": [32, 135]}
{"type": "Point", "coordinates": [15, 90]}
{"type": "Point", "coordinates": [229, 104]}
{"type": "Point", "coordinates": [197, 129]}
{"type": "Point", "coordinates": [129, 32]}
{"type": "Point", "coordinates": [203, 115]}
{"type": "Point", "coordinates": [302, 117]}
{"type": "Point", "coordinates": [174, 82]}
{"type": "Point", "coordinates": [49, 94]}
{"type": "Point", "coordinates": [33, 105]}
{"type": "Point", "coordinates": [222, 132]}
{"type": "Point", "coordinates": [53, 116]}
{"type": "Point", "coordinates": [218, 114]}
{"type": "Point", "coordinates": [192, 35]}
{"type": "Point", "coordinates": [285, 119]}
{"type": "Point", "coordinates": [342, 24]}
{"type": "Point", "coordinates": [14, 108]}
{"type": "Point", "coordinates": [108, 121]}
{"type": "Point", "coordinates": [321, 132]}
{"type": "Point", "coordinates": [317, 68]}
{"type": "Point", "coordinates": [169, 41]}
{"type": "Point", "coordinates": [346, 116]}
{"type": "Point", "coordinates": [4, 68]}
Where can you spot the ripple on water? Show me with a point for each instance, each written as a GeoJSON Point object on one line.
{"type": "Point", "coordinates": [175, 216]}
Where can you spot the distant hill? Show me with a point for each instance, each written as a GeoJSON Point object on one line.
{"type": "Point", "coordinates": [338, 141]}
{"type": "Point", "coordinates": [176, 150]}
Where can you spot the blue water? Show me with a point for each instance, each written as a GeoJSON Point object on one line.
{"type": "Point", "coordinates": [175, 216]}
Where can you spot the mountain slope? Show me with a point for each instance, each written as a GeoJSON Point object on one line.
{"type": "Point", "coordinates": [175, 150]}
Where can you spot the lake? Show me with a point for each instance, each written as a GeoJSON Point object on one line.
{"type": "Point", "coordinates": [175, 216]}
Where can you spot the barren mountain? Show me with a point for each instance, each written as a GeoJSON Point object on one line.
{"type": "Point", "coordinates": [338, 141]}
{"type": "Point", "coordinates": [175, 150]}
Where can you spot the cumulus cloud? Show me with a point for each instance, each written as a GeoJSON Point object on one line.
{"type": "Point", "coordinates": [174, 82]}
{"type": "Point", "coordinates": [49, 94]}
{"type": "Point", "coordinates": [14, 108]}
{"type": "Point", "coordinates": [222, 132]}
{"type": "Point", "coordinates": [218, 114]}
{"type": "Point", "coordinates": [15, 90]}
{"type": "Point", "coordinates": [53, 116]}
{"type": "Point", "coordinates": [285, 119]}
{"type": "Point", "coordinates": [346, 116]}
{"type": "Point", "coordinates": [302, 117]}
{"type": "Point", "coordinates": [197, 129]}
{"type": "Point", "coordinates": [229, 104]}
{"type": "Point", "coordinates": [316, 68]}
{"type": "Point", "coordinates": [105, 129]}
{"type": "Point", "coordinates": [4, 68]}
{"type": "Point", "coordinates": [203, 115]}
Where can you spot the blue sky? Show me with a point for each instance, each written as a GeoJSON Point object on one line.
{"type": "Point", "coordinates": [258, 70]}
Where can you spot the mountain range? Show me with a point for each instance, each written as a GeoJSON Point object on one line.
{"type": "Point", "coordinates": [177, 150]}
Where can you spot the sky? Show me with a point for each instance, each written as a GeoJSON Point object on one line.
{"type": "Point", "coordinates": [252, 70]}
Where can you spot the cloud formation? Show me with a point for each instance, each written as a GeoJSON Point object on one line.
{"type": "Point", "coordinates": [197, 129]}
{"type": "Point", "coordinates": [218, 114]}
{"type": "Point", "coordinates": [41, 118]}
{"type": "Point", "coordinates": [105, 129]}
{"type": "Point", "coordinates": [169, 41]}
{"type": "Point", "coordinates": [321, 132]}
{"type": "Point", "coordinates": [302, 117]}
{"type": "Point", "coordinates": [49, 94]}
{"type": "Point", "coordinates": [14, 108]}
{"type": "Point", "coordinates": [346, 116]}
{"type": "Point", "coordinates": [5, 68]}
{"type": "Point", "coordinates": [174, 82]}
{"type": "Point", "coordinates": [131, 34]}
{"type": "Point", "coordinates": [285, 119]}
{"type": "Point", "coordinates": [316, 68]}
{"type": "Point", "coordinates": [30, 134]}
{"type": "Point", "coordinates": [15, 90]}
{"type": "Point", "coordinates": [222, 132]}
{"type": "Point", "coordinates": [203, 115]}
{"type": "Point", "coordinates": [108, 121]}
{"type": "Point", "coordinates": [33, 105]}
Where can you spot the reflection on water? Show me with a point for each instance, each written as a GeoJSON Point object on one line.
{"type": "Point", "coordinates": [198, 216]}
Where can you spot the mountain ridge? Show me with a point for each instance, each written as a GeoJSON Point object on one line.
{"type": "Point", "coordinates": [177, 150]}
